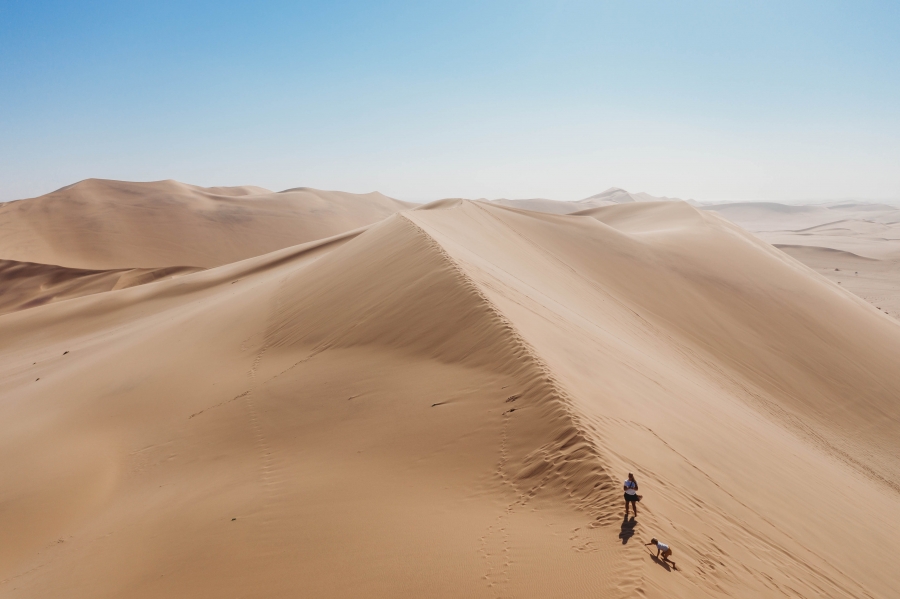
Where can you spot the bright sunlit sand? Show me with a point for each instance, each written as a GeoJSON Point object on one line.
{"type": "Point", "coordinates": [440, 403]}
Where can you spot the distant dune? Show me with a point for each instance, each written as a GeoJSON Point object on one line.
{"type": "Point", "coordinates": [768, 216]}
{"type": "Point", "coordinates": [616, 195]}
{"type": "Point", "coordinates": [854, 244]}
{"type": "Point", "coordinates": [444, 404]}
{"type": "Point", "coordinates": [610, 197]}
{"type": "Point", "coordinates": [27, 285]}
{"type": "Point", "coordinates": [100, 225]}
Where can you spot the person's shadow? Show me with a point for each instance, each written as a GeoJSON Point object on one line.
{"type": "Point", "coordinates": [669, 566]}
{"type": "Point", "coordinates": [627, 529]}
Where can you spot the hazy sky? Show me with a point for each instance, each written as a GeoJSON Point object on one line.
{"type": "Point", "coordinates": [712, 100]}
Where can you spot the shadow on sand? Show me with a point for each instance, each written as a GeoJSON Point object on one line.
{"type": "Point", "coordinates": [627, 529]}
{"type": "Point", "coordinates": [669, 566]}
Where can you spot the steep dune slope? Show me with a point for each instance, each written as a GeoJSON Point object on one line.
{"type": "Point", "coordinates": [854, 244]}
{"type": "Point", "coordinates": [875, 280]}
{"type": "Point", "coordinates": [99, 224]}
{"type": "Point", "coordinates": [352, 417]}
{"type": "Point", "coordinates": [751, 389]}
{"type": "Point", "coordinates": [443, 406]}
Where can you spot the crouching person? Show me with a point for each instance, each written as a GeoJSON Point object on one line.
{"type": "Point", "coordinates": [662, 550]}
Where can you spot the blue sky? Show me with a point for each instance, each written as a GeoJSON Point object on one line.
{"type": "Point", "coordinates": [714, 100]}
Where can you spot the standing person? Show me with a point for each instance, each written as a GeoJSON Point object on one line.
{"type": "Point", "coordinates": [631, 496]}
{"type": "Point", "coordinates": [661, 550]}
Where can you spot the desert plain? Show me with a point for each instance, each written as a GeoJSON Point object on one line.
{"type": "Point", "coordinates": [233, 392]}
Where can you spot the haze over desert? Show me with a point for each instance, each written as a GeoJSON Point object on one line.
{"type": "Point", "coordinates": [491, 300]}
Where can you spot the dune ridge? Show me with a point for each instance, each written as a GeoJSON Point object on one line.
{"type": "Point", "coordinates": [442, 403]}
{"type": "Point", "coordinates": [609, 197]}
{"type": "Point", "coordinates": [570, 462]}
{"type": "Point", "coordinates": [866, 232]}
{"type": "Point", "coordinates": [741, 380]}
{"type": "Point", "coordinates": [471, 331]}
{"type": "Point", "coordinates": [27, 285]}
{"type": "Point", "coordinates": [101, 224]}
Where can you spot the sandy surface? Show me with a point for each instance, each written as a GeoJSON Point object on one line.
{"type": "Point", "coordinates": [27, 285]}
{"type": "Point", "coordinates": [444, 404]}
{"type": "Point", "coordinates": [99, 224]}
{"type": "Point", "coordinates": [610, 197]}
{"type": "Point", "coordinates": [854, 244]}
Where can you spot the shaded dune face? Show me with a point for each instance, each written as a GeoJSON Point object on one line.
{"type": "Point", "coordinates": [27, 285]}
{"type": "Point", "coordinates": [100, 224]}
{"type": "Point", "coordinates": [443, 405]}
{"type": "Point", "coordinates": [424, 304]}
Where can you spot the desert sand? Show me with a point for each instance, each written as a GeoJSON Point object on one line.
{"type": "Point", "coordinates": [100, 224]}
{"type": "Point", "coordinates": [442, 402]}
{"type": "Point", "coordinates": [610, 197]}
{"type": "Point", "coordinates": [26, 284]}
{"type": "Point", "coordinates": [854, 244]}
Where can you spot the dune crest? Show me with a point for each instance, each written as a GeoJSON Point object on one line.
{"type": "Point", "coordinates": [611, 197]}
{"type": "Point", "coordinates": [852, 243]}
{"type": "Point", "coordinates": [27, 285]}
{"type": "Point", "coordinates": [444, 404]}
{"type": "Point", "coordinates": [99, 224]}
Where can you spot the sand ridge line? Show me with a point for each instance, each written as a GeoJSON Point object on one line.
{"type": "Point", "coordinates": [220, 404]}
{"type": "Point", "coordinates": [541, 380]}
{"type": "Point", "coordinates": [406, 519]}
{"type": "Point", "coordinates": [607, 293]}
{"type": "Point", "coordinates": [167, 223]}
{"type": "Point", "coordinates": [553, 460]}
{"type": "Point", "coordinates": [574, 439]}
{"type": "Point", "coordinates": [316, 351]}
{"type": "Point", "coordinates": [21, 574]}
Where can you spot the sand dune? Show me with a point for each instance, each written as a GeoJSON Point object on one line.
{"type": "Point", "coordinates": [854, 244]}
{"type": "Point", "coordinates": [444, 404]}
{"type": "Point", "coordinates": [863, 238]}
{"type": "Point", "coordinates": [616, 195]}
{"type": "Point", "coordinates": [876, 281]}
{"type": "Point", "coordinates": [27, 285]}
{"type": "Point", "coordinates": [610, 197]}
{"type": "Point", "coordinates": [542, 205]}
{"type": "Point", "coordinates": [768, 216]}
{"type": "Point", "coordinates": [98, 224]}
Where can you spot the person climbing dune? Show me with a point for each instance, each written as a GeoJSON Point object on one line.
{"type": "Point", "coordinates": [662, 550]}
{"type": "Point", "coordinates": [631, 496]}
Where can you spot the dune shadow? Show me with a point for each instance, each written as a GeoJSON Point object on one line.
{"type": "Point", "coordinates": [627, 529]}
